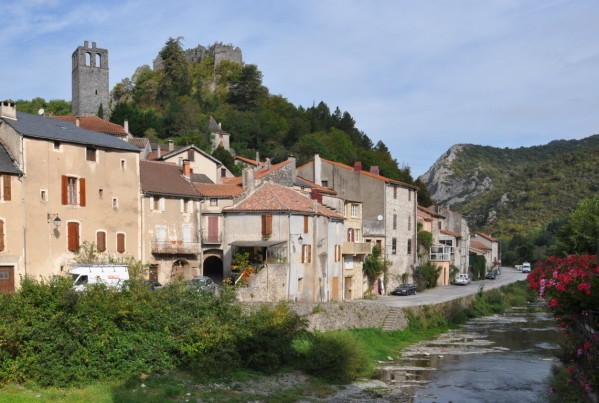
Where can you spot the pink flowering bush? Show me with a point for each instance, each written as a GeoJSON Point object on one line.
{"type": "Point", "coordinates": [571, 288]}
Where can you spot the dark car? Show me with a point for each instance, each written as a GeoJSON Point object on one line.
{"type": "Point", "coordinates": [203, 284]}
{"type": "Point", "coordinates": [404, 289]}
{"type": "Point", "coordinates": [492, 275]}
{"type": "Point", "coordinates": [153, 284]}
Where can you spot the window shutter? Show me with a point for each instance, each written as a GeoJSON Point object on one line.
{"type": "Point", "coordinates": [267, 224]}
{"type": "Point", "coordinates": [303, 253]}
{"type": "Point", "coordinates": [82, 192]}
{"type": "Point", "coordinates": [73, 236]}
{"type": "Point", "coordinates": [305, 224]}
{"type": "Point", "coordinates": [101, 241]}
{"type": "Point", "coordinates": [120, 243]}
{"type": "Point", "coordinates": [65, 190]}
{"type": "Point", "coordinates": [1, 235]}
{"type": "Point", "coordinates": [6, 180]}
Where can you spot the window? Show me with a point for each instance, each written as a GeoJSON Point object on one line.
{"type": "Point", "coordinates": [115, 203]}
{"type": "Point", "coordinates": [213, 201]}
{"type": "Point", "coordinates": [337, 253]}
{"type": "Point", "coordinates": [394, 246]}
{"type": "Point", "coordinates": [409, 223]}
{"type": "Point", "coordinates": [305, 224]}
{"type": "Point", "coordinates": [223, 172]}
{"type": "Point", "coordinates": [306, 253]}
{"type": "Point", "coordinates": [190, 155]}
{"type": "Point", "coordinates": [394, 221]}
{"type": "Point", "coordinates": [351, 235]}
{"type": "Point", "coordinates": [73, 236]}
{"type": "Point", "coordinates": [57, 145]}
{"type": "Point", "coordinates": [5, 191]}
{"type": "Point", "coordinates": [325, 183]}
{"type": "Point", "coordinates": [267, 225]}
{"type": "Point", "coordinates": [157, 203]}
{"type": "Point", "coordinates": [2, 244]}
{"type": "Point", "coordinates": [409, 195]}
{"type": "Point", "coordinates": [186, 206]}
{"type": "Point", "coordinates": [90, 154]}
{"type": "Point", "coordinates": [409, 246]}
{"type": "Point", "coordinates": [73, 191]}
{"type": "Point", "coordinates": [349, 262]}
{"type": "Point", "coordinates": [355, 212]}
{"type": "Point", "coordinates": [100, 193]}
{"type": "Point", "coordinates": [357, 237]}
{"type": "Point", "coordinates": [395, 192]}
{"type": "Point", "coordinates": [120, 242]}
{"type": "Point", "coordinates": [44, 195]}
{"type": "Point", "coordinates": [101, 241]}
{"type": "Point", "coordinates": [123, 164]}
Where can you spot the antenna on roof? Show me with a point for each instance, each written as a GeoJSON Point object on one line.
{"type": "Point", "coordinates": [41, 112]}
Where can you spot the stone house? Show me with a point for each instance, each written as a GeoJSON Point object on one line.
{"type": "Point", "coordinates": [293, 241]}
{"type": "Point", "coordinates": [388, 210]}
{"type": "Point", "coordinates": [77, 185]}
{"type": "Point", "coordinates": [170, 215]}
{"type": "Point", "coordinates": [491, 245]}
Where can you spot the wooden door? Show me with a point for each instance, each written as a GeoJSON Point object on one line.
{"type": "Point", "coordinates": [213, 229]}
{"type": "Point", "coordinates": [348, 288]}
{"type": "Point", "coordinates": [7, 279]}
{"type": "Point", "coordinates": [335, 296]}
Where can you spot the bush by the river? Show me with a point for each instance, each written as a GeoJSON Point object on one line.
{"type": "Point", "coordinates": [52, 335]}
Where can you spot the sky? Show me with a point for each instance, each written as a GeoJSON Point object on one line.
{"type": "Point", "coordinates": [419, 76]}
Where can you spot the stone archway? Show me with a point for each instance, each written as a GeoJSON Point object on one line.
{"type": "Point", "coordinates": [181, 270]}
{"type": "Point", "coordinates": [213, 268]}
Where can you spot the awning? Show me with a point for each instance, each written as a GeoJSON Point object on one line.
{"type": "Point", "coordinates": [261, 244]}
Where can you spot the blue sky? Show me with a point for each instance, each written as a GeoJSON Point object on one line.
{"type": "Point", "coordinates": [418, 75]}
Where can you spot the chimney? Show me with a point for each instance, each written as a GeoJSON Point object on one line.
{"type": "Point", "coordinates": [171, 145]}
{"type": "Point", "coordinates": [8, 110]}
{"type": "Point", "coordinates": [292, 167]}
{"type": "Point", "coordinates": [375, 170]}
{"type": "Point", "coordinates": [158, 151]}
{"type": "Point", "coordinates": [358, 166]}
{"type": "Point", "coordinates": [77, 122]}
{"type": "Point", "coordinates": [220, 126]}
{"type": "Point", "coordinates": [93, 45]}
{"type": "Point", "coordinates": [317, 170]}
{"type": "Point", "coordinates": [126, 126]}
{"type": "Point", "coordinates": [248, 179]}
{"type": "Point", "coordinates": [86, 44]}
{"type": "Point", "coordinates": [258, 158]}
{"type": "Point", "coordinates": [267, 165]}
{"type": "Point", "coordinates": [316, 195]}
{"type": "Point", "coordinates": [186, 168]}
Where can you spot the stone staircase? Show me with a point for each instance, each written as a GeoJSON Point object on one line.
{"type": "Point", "coordinates": [392, 319]}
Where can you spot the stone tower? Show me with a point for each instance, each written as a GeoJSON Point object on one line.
{"type": "Point", "coordinates": [90, 80]}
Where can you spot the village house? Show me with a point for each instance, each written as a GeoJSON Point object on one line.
{"type": "Point", "coordinates": [76, 185]}
{"type": "Point", "coordinates": [490, 246]}
{"type": "Point", "coordinates": [293, 241]}
{"type": "Point", "coordinates": [388, 211]}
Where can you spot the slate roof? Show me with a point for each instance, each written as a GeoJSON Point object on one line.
{"type": "Point", "coordinates": [95, 124]}
{"type": "Point", "coordinates": [200, 178]}
{"type": "Point", "coordinates": [164, 178]}
{"type": "Point", "coordinates": [214, 127]}
{"type": "Point", "coordinates": [271, 197]}
{"type": "Point", "coordinates": [238, 180]}
{"type": "Point", "coordinates": [218, 190]}
{"type": "Point", "coordinates": [365, 173]}
{"type": "Point", "coordinates": [7, 165]}
{"type": "Point", "coordinates": [41, 127]}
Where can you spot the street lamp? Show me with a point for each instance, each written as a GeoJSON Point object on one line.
{"type": "Point", "coordinates": [55, 219]}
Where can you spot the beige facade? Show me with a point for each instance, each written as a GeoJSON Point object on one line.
{"type": "Point", "coordinates": [200, 162]}
{"type": "Point", "coordinates": [88, 180]}
{"type": "Point", "coordinates": [12, 264]}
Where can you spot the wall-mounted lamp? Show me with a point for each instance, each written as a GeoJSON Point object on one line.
{"type": "Point", "coordinates": [300, 240]}
{"type": "Point", "coordinates": [55, 219]}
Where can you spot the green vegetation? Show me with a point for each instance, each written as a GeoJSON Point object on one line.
{"type": "Point", "coordinates": [426, 276]}
{"type": "Point", "coordinates": [374, 266]}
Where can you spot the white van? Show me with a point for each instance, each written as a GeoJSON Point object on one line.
{"type": "Point", "coordinates": [110, 275]}
{"type": "Point", "coordinates": [526, 267]}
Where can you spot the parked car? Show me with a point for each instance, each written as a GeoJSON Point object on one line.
{"type": "Point", "coordinates": [153, 284]}
{"type": "Point", "coordinates": [404, 289]}
{"type": "Point", "coordinates": [203, 284]}
{"type": "Point", "coordinates": [492, 274]}
{"type": "Point", "coordinates": [462, 279]}
{"type": "Point", "coordinates": [526, 267]}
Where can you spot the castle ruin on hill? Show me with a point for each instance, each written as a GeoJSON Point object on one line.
{"type": "Point", "coordinates": [218, 50]}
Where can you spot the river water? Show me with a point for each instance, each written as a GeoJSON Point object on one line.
{"type": "Point", "coordinates": [500, 358]}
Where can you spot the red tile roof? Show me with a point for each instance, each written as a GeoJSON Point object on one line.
{"type": "Point", "coordinates": [487, 237]}
{"type": "Point", "coordinates": [166, 179]}
{"type": "Point", "coordinates": [217, 190]}
{"type": "Point", "coordinates": [431, 212]}
{"type": "Point", "coordinates": [95, 124]}
{"type": "Point", "coordinates": [249, 161]}
{"type": "Point", "coordinates": [366, 173]}
{"type": "Point", "coordinates": [479, 245]}
{"type": "Point", "coordinates": [271, 197]}
{"type": "Point", "coordinates": [450, 233]}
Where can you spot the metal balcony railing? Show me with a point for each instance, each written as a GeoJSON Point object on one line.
{"type": "Point", "coordinates": [441, 253]}
{"type": "Point", "coordinates": [175, 247]}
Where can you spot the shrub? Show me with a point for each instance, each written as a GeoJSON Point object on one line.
{"type": "Point", "coordinates": [426, 276]}
{"type": "Point", "coordinates": [335, 356]}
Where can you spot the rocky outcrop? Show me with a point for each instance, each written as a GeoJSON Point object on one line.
{"type": "Point", "coordinates": [446, 187]}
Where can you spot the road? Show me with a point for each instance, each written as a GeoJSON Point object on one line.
{"type": "Point", "coordinates": [447, 293]}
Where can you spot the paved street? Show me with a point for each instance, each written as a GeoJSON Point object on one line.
{"type": "Point", "coordinates": [447, 293]}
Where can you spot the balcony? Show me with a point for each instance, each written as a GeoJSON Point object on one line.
{"type": "Point", "coordinates": [441, 253]}
{"type": "Point", "coordinates": [356, 248]}
{"type": "Point", "coordinates": [175, 247]}
{"type": "Point", "coordinates": [212, 237]}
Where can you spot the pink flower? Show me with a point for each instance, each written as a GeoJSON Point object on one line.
{"type": "Point", "coordinates": [585, 287]}
{"type": "Point", "coordinates": [586, 346]}
{"type": "Point", "coordinates": [579, 352]}
{"type": "Point", "coordinates": [588, 387]}
{"type": "Point", "coordinates": [570, 369]}
{"type": "Point", "coordinates": [553, 303]}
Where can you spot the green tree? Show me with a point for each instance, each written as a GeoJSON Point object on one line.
{"type": "Point", "coordinates": [374, 265]}
{"type": "Point", "coordinates": [580, 234]}
{"type": "Point", "coordinates": [247, 92]}
{"type": "Point", "coordinates": [227, 158]}
{"type": "Point", "coordinates": [174, 80]}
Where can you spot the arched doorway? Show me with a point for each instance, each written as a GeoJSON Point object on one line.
{"type": "Point", "coordinates": [213, 268]}
{"type": "Point", "coordinates": [181, 270]}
